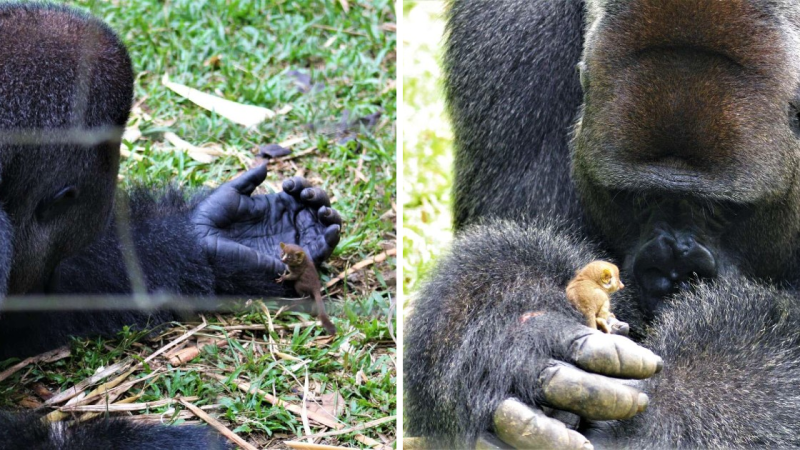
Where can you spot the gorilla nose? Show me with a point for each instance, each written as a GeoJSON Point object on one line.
{"type": "Point", "coordinates": [669, 261]}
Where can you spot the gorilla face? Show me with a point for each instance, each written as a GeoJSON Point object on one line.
{"type": "Point", "coordinates": [687, 147]}
{"type": "Point", "coordinates": [64, 102]}
{"type": "Point", "coordinates": [55, 212]}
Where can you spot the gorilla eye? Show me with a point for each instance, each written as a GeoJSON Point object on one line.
{"type": "Point", "coordinates": [794, 117]}
{"type": "Point", "coordinates": [57, 204]}
{"type": "Point", "coordinates": [68, 193]}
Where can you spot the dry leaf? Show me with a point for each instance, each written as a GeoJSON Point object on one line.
{"type": "Point", "coordinates": [332, 404]}
{"type": "Point", "coordinates": [247, 115]}
{"type": "Point", "coordinates": [30, 403]}
{"type": "Point", "coordinates": [199, 154]}
{"type": "Point", "coordinates": [292, 141]}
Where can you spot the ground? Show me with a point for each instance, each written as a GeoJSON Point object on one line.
{"type": "Point", "coordinates": [327, 69]}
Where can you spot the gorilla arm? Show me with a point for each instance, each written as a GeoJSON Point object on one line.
{"type": "Point", "coordinates": [220, 243]}
{"type": "Point", "coordinates": [467, 351]}
{"type": "Point", "coordinates": [733, 383]}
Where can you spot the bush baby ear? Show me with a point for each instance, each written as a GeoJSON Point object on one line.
{"type": "Point", "coordinates": [606, 277]}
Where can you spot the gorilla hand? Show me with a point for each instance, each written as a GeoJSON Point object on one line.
{"type": "Point", "coordinates": [580, 385]}
{"type": "Point", "coordinates": [238, 230]}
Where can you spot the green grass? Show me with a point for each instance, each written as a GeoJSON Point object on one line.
{"type": "Point", "coordinates": [351, 55]}
{"type": "Point", "coordinates": [427, 142]}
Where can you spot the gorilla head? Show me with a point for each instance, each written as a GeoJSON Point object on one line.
{"type": "Point", "coordinates": [60, 129]}
{"type": "Point", "coordinates": [686, 149]}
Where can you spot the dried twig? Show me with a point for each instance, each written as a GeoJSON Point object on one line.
{"type": "Point", "coordinates": [111, 399]}
{"type": "Point", "coordinates": [370, 442]}
{"type": "Point", "coordinates": [76, 390]}
{"type": "Point", "coordinates": [294, 155]}
{"type": "Point", "coordinates": [177, 341]}
{"type": "Point", "coordinates": [381, 257]}
{"type": "Point", "coordinates": [110, 391]}
{"type": "Point", "coordinates": [51, 356]}
{"type": "Point", "coordinates": [187, 354]}
{"type": "Point", "coordinates": [359, 427]}
{"type": "Point", "coordinates": [233, 437]}
{"type": "Point", "coordinates": [309, 323]}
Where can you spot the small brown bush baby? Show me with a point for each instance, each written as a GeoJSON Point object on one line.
{"type": "Point", "coordinates": [301, 270]}
{"type": "Point", "coordinates": [589, 292]}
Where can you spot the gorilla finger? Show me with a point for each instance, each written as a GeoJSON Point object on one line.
{"type": "Point", "coordinates": [315, 197]}
{"type": "Point", "coordinates": [295, 185]}
{"type": "Point", "coordinates": [590, 396]}
{"type": "Point", "coordinates": [322, 246]}
{"type": "Point", "coordinates": [332, 234]}
{"type": "Point", "coordinates": [329, 216]}
{"type": "Point", "coordinates": [247, 182]}
{"type": "Point", "coordinates": [615, 356]}
{"type": "Point", "coordinates": [521, 426]}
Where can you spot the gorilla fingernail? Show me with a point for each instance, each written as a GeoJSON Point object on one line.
{"type": "Point", "coordinates": [642, 402]}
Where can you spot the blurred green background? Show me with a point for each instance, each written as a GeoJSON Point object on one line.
{"type": "Point", "coordinates": [427, 142]}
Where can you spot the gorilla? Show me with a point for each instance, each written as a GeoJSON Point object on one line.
{"type": "Point", "coordinates": [66, 87]}
{"type": "Point", "coordinates": [662, 135]}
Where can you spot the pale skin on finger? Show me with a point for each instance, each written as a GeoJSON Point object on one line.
{"type": "Point", "coordinates": [524, 427]}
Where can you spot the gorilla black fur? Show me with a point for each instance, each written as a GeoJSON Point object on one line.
{"type": "Point", "coordinates": [30, 432]}
{"type": "Point", "coordinates": [66, 88]}
{"type": "Point", "coordinates": [532, 206]}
